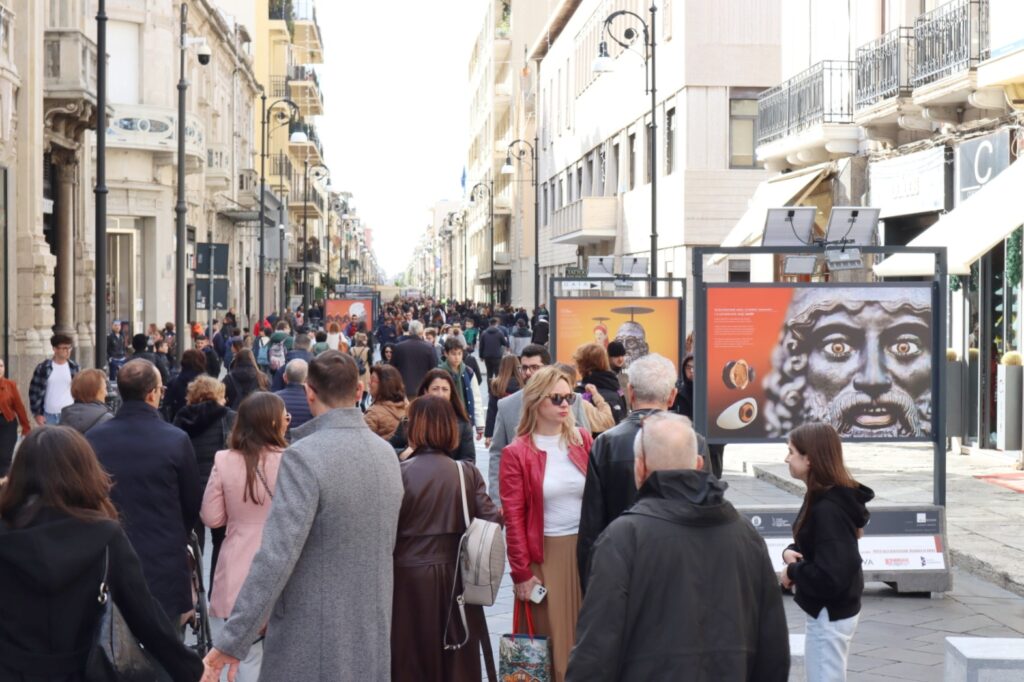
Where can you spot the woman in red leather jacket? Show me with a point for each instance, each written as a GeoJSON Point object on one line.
{"type": "Point", "coordinates": [542, 476]}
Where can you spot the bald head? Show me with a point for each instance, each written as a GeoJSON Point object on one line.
{"type": "Point", "coordinates": [665, 441]}
{"type": "Point", "coordinates": [295, 371]}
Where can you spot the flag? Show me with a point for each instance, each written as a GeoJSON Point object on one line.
{"type": "Point", "coordinates": [463, 179]}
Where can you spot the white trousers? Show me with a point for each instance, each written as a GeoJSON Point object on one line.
{"type": "Point", "coordinates": [827, 646]}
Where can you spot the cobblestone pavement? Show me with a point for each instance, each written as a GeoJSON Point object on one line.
{"type": "Point", "coordinates": [900, 637]}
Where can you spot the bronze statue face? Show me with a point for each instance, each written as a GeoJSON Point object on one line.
{"type": "Point", "coordinates": [863, 366]}
{"type": "Point", "coordinates": [634, 338]}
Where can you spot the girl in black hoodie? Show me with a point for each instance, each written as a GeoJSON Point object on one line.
{"type": "Point", "coordinates": [592, 365]}
{"type": "Point", "coordinates": [823, 565]}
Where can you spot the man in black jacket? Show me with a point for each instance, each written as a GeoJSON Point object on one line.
{"type": "Point", "coordinates": [682, 586]}
{"type": "Point", "coordinates": [610, 488]}
{"type": "Point", "coordinates": [156, 484]}
{"type": "Point", "coordinates": [414, 358]}
{"type": "Point", "coordinates": [492, 344]}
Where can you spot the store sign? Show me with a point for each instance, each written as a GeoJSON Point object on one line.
{"type": "Point", "coordinates": [901, 540]}
{"type": "Point", "coordinates": [914, 183]}
{"type": "Point", "coordinates": [979, 160]}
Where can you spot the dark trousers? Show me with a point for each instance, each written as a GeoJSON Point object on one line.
{"type": "Point", "coordinates": [492, 365]}
{"type": "Point", "coordinates": [217, 536]}
{"type": "Point", "coordinates": [716, 455]}
{"type": "Point", "coordinates": [8, 439]}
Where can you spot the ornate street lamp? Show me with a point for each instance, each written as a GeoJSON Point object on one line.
{"type": "Point", "coordinates": [518, 148]}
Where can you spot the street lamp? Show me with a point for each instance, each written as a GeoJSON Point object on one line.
{"type": "Point", "coordinates": [264, 121]}
{"type": "Point", "coordinates": [180, 208]}
{"type": "Point", "coordinates": [282, 268]}
{"type": "Point", "coordinates": [473, 194]}
{"type": "Point", "coordinates": [320, 172]}
{"type": "Point", "coordinates": [519, 149]}
{"type": "Point", "coordinates": [101, 191]}
{"type": "Point", "coordinates": [603, 64]}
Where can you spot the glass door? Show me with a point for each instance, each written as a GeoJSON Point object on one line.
{"type": "Point", "coordinates": [122, 292]}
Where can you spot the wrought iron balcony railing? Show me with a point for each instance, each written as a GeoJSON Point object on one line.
{"type": "Point", "coordinates": [884, 67]}
{"type": "Point", "coordinates": [821, 94]}
{"type": "Point", "coordinates": [950, 39]}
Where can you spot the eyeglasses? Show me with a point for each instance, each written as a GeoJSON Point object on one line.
{"type": "Point", "coordinates": [558, 398]}
{"type": "Point", "coordinates": [529, 369]}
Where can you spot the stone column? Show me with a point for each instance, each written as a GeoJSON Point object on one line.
{"type": "Point", "coordinates": [64, 284]}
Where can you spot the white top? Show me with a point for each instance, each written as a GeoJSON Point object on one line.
{"type": "Point", "coordinates": [563, 488]}
{"type": "Point", "coordinates": [58, 389]}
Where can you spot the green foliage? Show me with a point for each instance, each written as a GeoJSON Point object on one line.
{"type": "Point", "coordinates": [1013, 258]}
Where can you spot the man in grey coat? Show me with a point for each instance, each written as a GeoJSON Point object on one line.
{"type": "Point", "coordinates": [510, 409]}
{"type": "Point", "coordinates": [323, 575]}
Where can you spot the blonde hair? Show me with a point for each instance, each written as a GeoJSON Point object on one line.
{"type": "Point", "coordinates": [205, 388]}
{"type": "Point", "coordinates": [536, 391]}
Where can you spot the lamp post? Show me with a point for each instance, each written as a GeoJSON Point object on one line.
{"type": "Point", "coordinates": [321, 172]}
{"type": "Point", "coordinates": [519, 148]}
{"type": "Point", "coordinates": [100, 289]}
{"type": "Point", "coordinates": [473, 194]}
{"type": "Point", "coordinates": [604, 63]}
{"type": "Point", "coordinates": [292, 115]}
{"type": "Point", "coordinates": [180, 207]}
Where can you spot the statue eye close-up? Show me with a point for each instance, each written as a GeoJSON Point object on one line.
{"type": "Point", "coordinates": [837, 348]}
{"type": "Point", "coordinates": [906, 347]}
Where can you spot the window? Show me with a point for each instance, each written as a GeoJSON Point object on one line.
{"type": "Point", "coordinates": [670, 140]}
{"type": "Point", "coordinates": [613, 169]}
{"type": "Point", "coordinates": [632, 161]}
{"type": "Point", "coordinates": [648, 152]}
{"type": "Point", "coordinates": [739, 270]}
{"type": "Point", "coordinates": [742, 133]}
{"type": "Point", "coordinates": [123, 41]}
{"type": "Point", "coordinates": [579, 182]}
{"type": "Point", "coordinates": [547, 207]}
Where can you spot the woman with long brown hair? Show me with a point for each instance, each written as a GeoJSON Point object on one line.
{"type": "Point", "coordinates": [439, 382]}
{"type": "Point", "coordinates": [823, 565]}
{"type": "Point", "coordinates": [238, 495]}
{"type": "Point", "coordinates": [56, 514]}
{"type": "Point", "coordinates": [508, 381]}
{"type": "Point", "coordinates": [543, 472]}
{"type": "Point", "coordinates": [430, 524]}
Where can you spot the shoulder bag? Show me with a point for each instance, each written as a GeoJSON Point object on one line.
{"type": "Point", "coordinates": [116, 655]}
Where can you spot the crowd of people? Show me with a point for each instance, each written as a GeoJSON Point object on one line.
{"type": "Point", "coordinates": [321, 459]}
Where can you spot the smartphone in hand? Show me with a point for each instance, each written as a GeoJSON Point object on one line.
{"type": "Point", "coordinates": [538, 594]}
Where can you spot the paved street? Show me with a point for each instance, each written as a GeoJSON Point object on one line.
{"type": "Point", "coordinates": [900, 637]}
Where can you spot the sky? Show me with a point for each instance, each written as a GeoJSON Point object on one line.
{"type": "Point", "coordinates": [395, 88]}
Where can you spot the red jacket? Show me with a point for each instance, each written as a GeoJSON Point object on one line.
{"type": "Point", "coordinates": [522, 499]}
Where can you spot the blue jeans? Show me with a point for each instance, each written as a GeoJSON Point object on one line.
{"type": "Point", "coordinates": [52, 419]}
{"type": "Point", "coordinates": [827, 646]}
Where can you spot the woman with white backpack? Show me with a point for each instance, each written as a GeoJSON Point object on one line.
{"type": "Point", "coordinates": [433, 635]}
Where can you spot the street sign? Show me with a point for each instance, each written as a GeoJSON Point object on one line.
{"type": "Point", "coordinates": [625, 285]}
{"type": "Point", "coordinates": [217, 253]}
{"type": "Point", "coordinates": [573, 271]}
{"type": "Point", "coordinates": [220, 293]}
{"type": "Point", "coordinates": [580, 286]}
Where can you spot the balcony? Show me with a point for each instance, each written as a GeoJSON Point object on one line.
{"type": "Point", "coordinates": [69, 81]}
{"type": "Point", "coordinates": [218, 167]}
{"type": "Point", "coordinates": [883, 87]}
{"type": "Point", "coordinates": [306, 38]}
{"type": "Point", "coordinates": [310, 255]}
{"type": "Point", "coordinates": [585, 221]}
{"type": "Point", "coordinates": [249, 188]}
{"type": "Point", "coordinates": [155, 129]}
{"type": "Point", "coordinates": [304, 90]}
{"type": "Point", "coordinates": [949, 42]}
{"type": "Point", "coordinates": [809, 118]}
{"type": "Point", "coordinates": [278, 87]}
{"type": "Point", "coordinates": [314, 207]}
{"type": "Point", "coordinates": [311, 150]}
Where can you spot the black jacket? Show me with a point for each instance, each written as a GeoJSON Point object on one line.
{"type": "Point", "coordinates": [115, 345]}
{"type": "Point", "coordinates": [157, 493]}
{"type": "Point", "coordinates": [830, 574]}
{"type": "Point", "coordinates": [610, 488]}
{"type": "Point", "coordinates": [208, 425]}
{"type": "Point", "coordinates": [681, 589]}
{"type": "Point", "coordinates": [240, 383]}
{"type": "Point", "coordinates": [607, 384]}
{"type": "Point", "coordinates": [492, 405]}
{"type": "Point", "coordinates": [213, 363]}
{"type": "Point", "coordinates": [296, 354]}
{"type": "Point", "coordinates": [177, 392]}
{"type": "Point", "coordinates": [413, 359]}
{"type": "Point", "coordinates": [684, 393]}
{"type": "Point", "coordinates": [50, 568]}
{"type": "Point", "coordinates": [492, 343]}
{"type": "Point", "coordinates": [541, 331]}
{"type": "Point", "coordinates": [161, 365]}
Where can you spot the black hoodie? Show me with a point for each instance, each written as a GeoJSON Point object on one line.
{"type": "Point", "coordinates": [50, 570]}
{"type": "Point", "coordinates": [684, 392]}
{"type": "Point", "coordinates": [830, 574]}
{"type": "Point", "coordinates": [208, 425]}
{"type": "Point", "coordinates": [681, 588]}
{"type": "Point", "coordinates": [607, 384]}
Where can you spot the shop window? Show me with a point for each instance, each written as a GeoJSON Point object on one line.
{"type": "Point", "coordinates": [742, 133]}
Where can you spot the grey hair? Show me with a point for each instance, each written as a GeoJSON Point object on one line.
{"type": "Point", "coordinates": [661, 447]}
{"type": "Point", "coordinates": [652, 378]}
{"type": "Point", "coordinates": [302, 342]}
{"type": "Point", "coordinates": [296, 370]}
{"type": "Point", "coordinates": [416, 329]}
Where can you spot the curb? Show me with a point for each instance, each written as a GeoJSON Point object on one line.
{"type": "Point", "coordinates": [966, 562]}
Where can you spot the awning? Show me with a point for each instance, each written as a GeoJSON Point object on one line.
{"type": "Point", "coordinates": [968, 231]}
{"type": "Point", "coordinates": [784, 190]}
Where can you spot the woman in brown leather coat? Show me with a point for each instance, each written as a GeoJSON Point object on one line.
{"type": "Point", "coordinates": [430, 525]}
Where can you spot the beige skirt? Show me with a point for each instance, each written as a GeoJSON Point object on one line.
{"type": "Point", "coordinates": [556, 616]}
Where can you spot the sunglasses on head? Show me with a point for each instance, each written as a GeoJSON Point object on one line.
{"type": "Point", "coordinates": [558, 398]}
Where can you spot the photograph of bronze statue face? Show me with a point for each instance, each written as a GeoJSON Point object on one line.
{"type": "Point", "coordinates": [858, 358]}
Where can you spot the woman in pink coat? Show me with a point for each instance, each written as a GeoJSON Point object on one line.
{"type": "Point", "coordinates": [238, 495]}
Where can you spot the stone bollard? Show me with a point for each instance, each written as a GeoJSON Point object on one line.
{"type": "Point", "coordinates": [988, 659]}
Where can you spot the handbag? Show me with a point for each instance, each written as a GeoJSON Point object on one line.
{"type": "Point", "coordinates": [524, 657]}
{"type": "Point", "coordinates": [480, 563]}
{"type": "Point", "coordinates": [116, 655]}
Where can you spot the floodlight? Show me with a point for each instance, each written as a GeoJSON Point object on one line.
{"type": "Point", "coordinates": [793, 226]}
{"type": "Point", "coordinates": [800, 265]}
{"type": "Point", "coordinates": [601, 266]}
{"type": "Point", "coordinates": [852, 225]}
{"type": "Point", "coordinates": [634, 267]}
{"type": "Point", "coordinates": [844, 259]}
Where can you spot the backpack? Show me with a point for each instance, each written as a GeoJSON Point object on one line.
{"type": "Point", "coordinates": [262, 353]}
{"type": "Point", "coordinates": [481, 563]}
{"type": "Point", "coordinates": [276, 356]}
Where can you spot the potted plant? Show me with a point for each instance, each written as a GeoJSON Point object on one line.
{"type": "Point", "coordinates": [1008, 401]}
